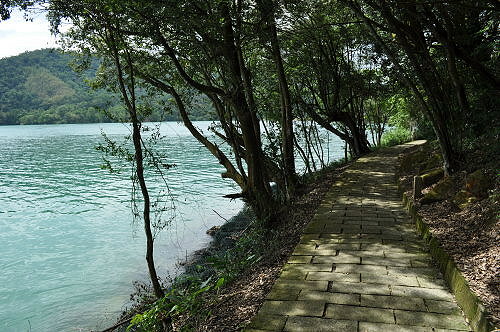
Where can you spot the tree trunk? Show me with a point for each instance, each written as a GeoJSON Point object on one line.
{"type": "Point", "coordinates": [267, 12]}
{"type": "Point", "coordinates": [258, 191]}
{"type": "Point", "coordinates": [147, 208]}
{"type": "Point", "coordinates": [139, 158]}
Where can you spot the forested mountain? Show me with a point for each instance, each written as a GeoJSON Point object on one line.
{"type": "Point", "coordinates": [40, 87]}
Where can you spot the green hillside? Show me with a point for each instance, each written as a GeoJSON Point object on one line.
{"type": "Point", "coordinates": [40, 87]}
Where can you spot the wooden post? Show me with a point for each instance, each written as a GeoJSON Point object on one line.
{"type": "Point", "coordinates": [417, 187]}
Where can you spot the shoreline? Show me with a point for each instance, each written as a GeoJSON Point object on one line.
{"type": "Point", "coordinates": [225, 238]}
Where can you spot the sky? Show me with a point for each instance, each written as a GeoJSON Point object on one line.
{"type": "Point", "coordinates": [17, 35]}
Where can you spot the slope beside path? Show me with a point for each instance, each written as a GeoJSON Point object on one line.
{"type": "Point", "coordinates": [360, 265]}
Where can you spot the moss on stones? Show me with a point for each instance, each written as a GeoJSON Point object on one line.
{"type": "Point", "coordinates": [440, 192]}
{"type": "Point", "coordinates": [432, 177]}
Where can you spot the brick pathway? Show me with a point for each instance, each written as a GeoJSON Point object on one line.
{"type": "Point", "coordinates": [360, 266]}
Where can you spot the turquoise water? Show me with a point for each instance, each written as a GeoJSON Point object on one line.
{"type": "Point", "coordinates": [69, 250]}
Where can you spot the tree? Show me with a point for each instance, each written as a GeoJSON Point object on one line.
{"type": "Point", "coordinates": [437, 43]}
{"type": "Point", "coordinates": [327, 74]}
{"type": "Point", "coordinates": [202, 46]}
{"type": "Point", "coordinates": [267, 9]}
{"type": "Point", "coordinates": [122, 75]}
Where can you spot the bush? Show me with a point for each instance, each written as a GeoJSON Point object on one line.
{"type": "Point", "coordinates": [396, 136]}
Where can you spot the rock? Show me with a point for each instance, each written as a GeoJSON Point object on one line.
{"type": "Point", "coordinates": [432, 177]}
{"type": "Point", "coordinates": [435, 160]}
{"type": "Point", "coordinates": [213, 230]}
{"type": "Point", "coordinates": [477, 184]}
{"type": "Point", "coordinates": [463, 199]}
{"type": "Point", "coordinates": [412, 161]}
{"type": "Point", "coordinates": [440, 192]}
{"type": "Point", "coordinates": [417, 187]}
{"type": "Point", "coordinates": [476, 187]}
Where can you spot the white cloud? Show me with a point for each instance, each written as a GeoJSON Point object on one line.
{"type": "Point", "coordinates": [18, 35]}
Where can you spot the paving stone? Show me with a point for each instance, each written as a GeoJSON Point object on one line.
{"type": "Point", "coordinates": [420, 263]}
{"type": "Point", "coordinates": [361, 221]}
{"type": "Point", "coordinates": [360, 266]}
{"type": "Point", "coordinates": [267, 322]}
{"type": "Point", "coordinates": [293, 308]}
{"type": "Point", "coordinates": [407, 255]}
{"type": "Point", "coordinates": [357, 268]}
{"type": "Point", "coordinates": [393, 302]}
{"type": "Point", "coordinates": [442, 307]}
{"type": "Point", "coordinates": [294, 274]}
{"type": "Point", "coordinates": [369, 229]}
{"type": "Point", "coordinates": [352, 238]}
{"type": "Point", "coordinates": [382, 327]}
{"type": "Point", "coordinates": [309, 324]}
{"type": "Point", "coordinates": [385, 261]}
{"type": "Point", "coordinates": [299, 259]}
{"type": "Point", "coordinates": [391, 237]}
{"type": "Point", "coordinates": [386, 223]}
{"type": "Point", "coordinates": [328, 297]}
{"type": "Point", "coordinates": [333, 228]}
{"type": "Point", "coordinates": [425, 293]}
{"type": "Point", "coordinates": [340, 246]}
{"type": "Point", "coordinates": [345, 259]}
{"type": "Point", "coordinates": [308, 267]}
{"type": "Point", "coordinates": [389, 279]}
{"type": "Point", "coordinates": [362, 253]}
{"type": "Point", "coordinates": [334, 276]}
{"type": "Point", "coordinates": [283, 294]}
{"type": "Point", "coordinates": [306, 284]}
{"type": "Point", "coordinates": [325, 241]}
{"type": "Point", "coordinates": [357, 313]}
{"type": "Point", "coordinates": [360, 288]}
{"type": "Point", "coordinates": [351, 229]}
{"type": "Point", "coordinates": [431, 282]}
{"type": "Point", "coordinates": [353, 213]}
{"type": "Point", "coordinates": [413, 271]}
{"type": "Point", "coordinates": [431, 320]}
{"type": "Point", "coordinates": [382, 247]}
{"type": "Point", "coordinates": [314, 252]}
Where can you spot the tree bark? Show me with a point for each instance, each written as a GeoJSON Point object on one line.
{"type": "Point", "coordinates": [267, 12]}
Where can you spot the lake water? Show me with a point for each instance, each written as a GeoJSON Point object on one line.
{"type": "Point", "coordinates": [69, 250]}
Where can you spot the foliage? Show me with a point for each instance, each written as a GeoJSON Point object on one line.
{"type": "Point", "coordinates": [396, 136]}
{"type": "Point", "coordinates": [188, 293]}
{"type": "Point", "coordinates": [184, 296]}
{"type": "Point", "coordinates": [41, 87]}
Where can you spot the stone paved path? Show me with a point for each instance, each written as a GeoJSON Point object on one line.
{"type": "Point", "coordinates": [360, 266]}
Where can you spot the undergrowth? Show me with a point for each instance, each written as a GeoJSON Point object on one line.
{"type": "Point", "coordinates": [188, 295]}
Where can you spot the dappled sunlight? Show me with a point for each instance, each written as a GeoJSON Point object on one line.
{"type": "Point", "coordinates": [363, 245]}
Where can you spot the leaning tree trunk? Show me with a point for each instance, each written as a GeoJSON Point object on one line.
{"type": "Point", "coordinates": [258, 193]}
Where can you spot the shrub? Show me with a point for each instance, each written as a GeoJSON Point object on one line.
{"type": "Point", "coordinates": [396, 136]}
